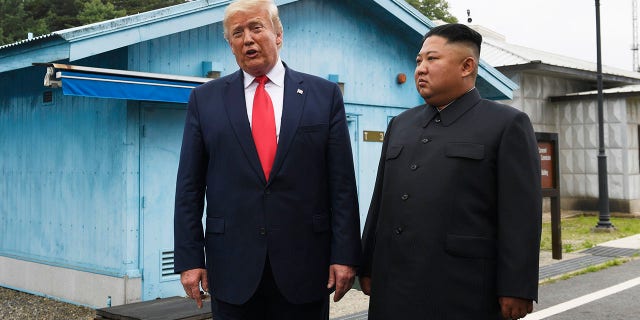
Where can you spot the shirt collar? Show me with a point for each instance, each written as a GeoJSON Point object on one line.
{"type": "Point", "coordinates": [275, 75]}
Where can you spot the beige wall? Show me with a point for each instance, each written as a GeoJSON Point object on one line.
{"type": "Point", "coordinates": [576, 122]}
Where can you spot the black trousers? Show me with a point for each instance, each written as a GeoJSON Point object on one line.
{"type": "Point", "coordinates": [268, 303]}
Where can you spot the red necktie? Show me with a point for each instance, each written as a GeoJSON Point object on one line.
{"type": "Point", "coordinates": [263, 126]}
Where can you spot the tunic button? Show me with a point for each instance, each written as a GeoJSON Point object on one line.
{"type": "Point", "coordinates": [405, 196]}
{"type": "Point", "coordinates": [425, 140]}
{"type": "Point", "coordinates": [398, 230]}
{"type": "Point", "coordinates": [414, 166]}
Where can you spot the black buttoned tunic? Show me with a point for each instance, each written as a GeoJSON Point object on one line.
{"type": "Point", "coordinates": [455, 217]}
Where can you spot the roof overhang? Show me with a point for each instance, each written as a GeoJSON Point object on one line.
{"type": "Point", "coordinates": [120, 84]}
{"type": "Point", "coordinates": [90, 40]}
{"type": "Point", "coordinates": [538, 67]}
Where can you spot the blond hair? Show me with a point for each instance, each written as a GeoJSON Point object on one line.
{"type": "Point", "coordinates": [250, 5]}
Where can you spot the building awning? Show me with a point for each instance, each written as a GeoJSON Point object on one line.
{"type": "Point", "coordinates": [120, 84]}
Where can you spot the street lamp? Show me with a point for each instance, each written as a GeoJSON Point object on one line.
{"type": "Point", "coordinates": [604, 222]}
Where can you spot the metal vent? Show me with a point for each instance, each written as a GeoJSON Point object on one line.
{"type": "Point", "coordinates": [47, 97]}
{"type": "Point", "coordinates": [166, 265]}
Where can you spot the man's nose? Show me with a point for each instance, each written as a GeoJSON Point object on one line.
{"type": "Point", "coordinates": [248, 38]}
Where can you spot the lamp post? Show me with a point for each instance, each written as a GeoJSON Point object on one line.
{"type": "Point", "coordinates": [604, 222]}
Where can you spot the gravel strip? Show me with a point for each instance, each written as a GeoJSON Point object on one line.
{"type": "Point", "coordinates": [16, 305]}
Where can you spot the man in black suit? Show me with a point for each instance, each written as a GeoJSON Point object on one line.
{"type": "Point", "coordinates": [453, 230]}
{"type": "Point", "coordinates": [272, 156]}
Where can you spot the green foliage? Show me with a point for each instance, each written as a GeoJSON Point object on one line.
{"type": "Point", "coordinates": [19, 17]}
{"type": "Point", "coordinates": [434, 9]}
{"type": "Point", "coordinates": [95, 11]}
{"type": "Point", "coordinates": [16, 22]}
{"type": "Point", "coordinates": [137, 6]}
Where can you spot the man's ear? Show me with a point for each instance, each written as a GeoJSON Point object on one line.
{"type": "Point", "coordinates": [468, 66]}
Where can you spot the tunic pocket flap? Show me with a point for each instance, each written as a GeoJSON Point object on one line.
{"type": "Point", "coordinates": [470, 246]}
{"type": "Point", "coordinates": [465, 150]}
{"type": "Point", "coordinates": [393, 152]}
{"type": "Point", "coordinates": [215, 225]}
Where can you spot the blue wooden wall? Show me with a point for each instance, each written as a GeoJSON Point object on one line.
{"type": "Point", "coordinates": [65, 170]}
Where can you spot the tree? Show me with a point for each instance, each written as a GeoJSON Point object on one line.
{"type": "Point", "coordinates": [137, 6]}
{"type": "Point", "coordinates": [16, 22]}
{"type": "Point", "coordinates": [95, 11]}
{"type": "Point", "coordinates": [434, 9]}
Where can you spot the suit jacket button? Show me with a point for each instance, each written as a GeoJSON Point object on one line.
{"type": "Point", "coordinates": [438, 120]}
{"type": "Point", "coordinates": [414, 166]}
{"type": "Point", "coordinates": [425, 140]}
{"type": "Point", "coordinates": [263, 231]}
{"type": "Point", "coordinates": [398, 230]}
{"type": "Point", "coordinates": [405, 196]}
{"type": "Point", "coordinates": [268, 191]}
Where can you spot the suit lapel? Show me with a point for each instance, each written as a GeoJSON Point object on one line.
{"type": "Point", "coordinates": [292, 107]}
{"type": "Point", "coordinates": [236, 108]}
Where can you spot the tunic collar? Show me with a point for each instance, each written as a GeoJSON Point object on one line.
{"type": "Point", "coordinates": [454, 110]}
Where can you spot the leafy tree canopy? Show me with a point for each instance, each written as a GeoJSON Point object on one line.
{"type": "Point", "coordinates": [434, 9]}
{"type": "Point", "coordinates": [19, 17]}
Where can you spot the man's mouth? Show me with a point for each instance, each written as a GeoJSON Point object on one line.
{"type": "Point", "coordinates": [251, 52]}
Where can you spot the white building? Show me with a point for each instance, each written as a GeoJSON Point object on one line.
{"type": "Point", "coordinates": [558, 93]}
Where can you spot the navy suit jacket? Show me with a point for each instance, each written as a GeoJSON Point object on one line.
{"type": "Point", "coordinates": [305, 217]}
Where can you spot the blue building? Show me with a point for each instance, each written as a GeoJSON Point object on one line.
{"type": "Point", "coordinates": [88, 158]}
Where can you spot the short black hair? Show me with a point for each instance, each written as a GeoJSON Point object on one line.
{"type": "Point", "coordinates": [456, 32]}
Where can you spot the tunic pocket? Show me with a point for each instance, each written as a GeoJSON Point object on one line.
{"type": "Point", "coordinates": [465, 150]}
{"type": "Point", "coordinates": [393, 152]}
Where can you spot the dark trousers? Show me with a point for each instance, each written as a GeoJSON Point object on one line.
{"type": "Point", "coordinates": [269, 304]}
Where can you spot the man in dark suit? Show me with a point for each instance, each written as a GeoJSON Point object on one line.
{"type": "Point", "coordinates": [453, 230]}
{"type": "Point", "coordinates": [273, 158]}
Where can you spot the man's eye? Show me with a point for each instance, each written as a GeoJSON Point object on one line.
{"type": "Point", "coordinates": [236, 34]}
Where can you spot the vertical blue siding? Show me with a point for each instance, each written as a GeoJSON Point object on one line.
{"type": "Point", "coordinates": [64, 175]}
{"type": "Point", "coordinates": [332, 37]}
